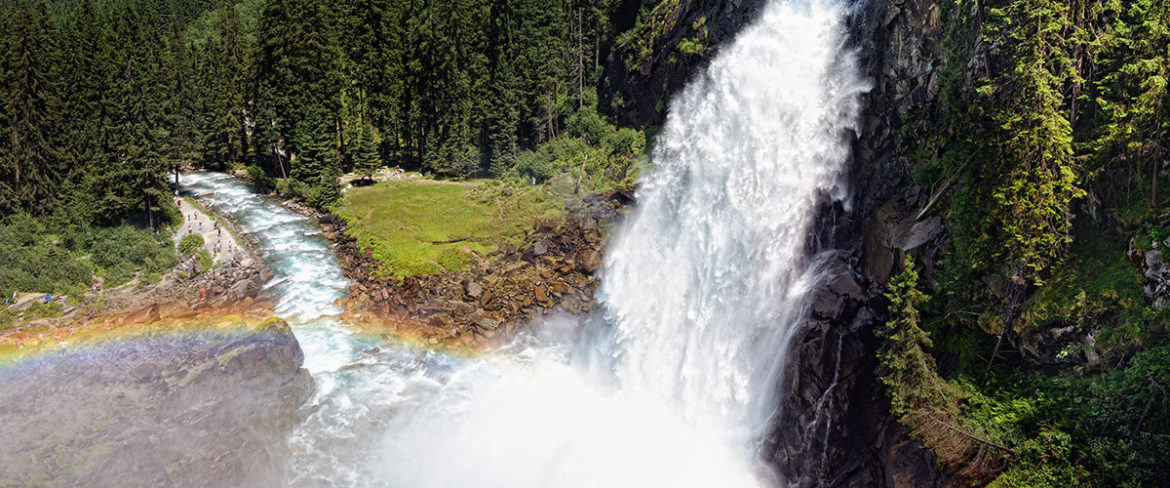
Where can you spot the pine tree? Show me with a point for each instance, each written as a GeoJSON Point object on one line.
{"type": "Point", "coordinates": [921, 399]}
{"type": "Point", "coordinates": [366, 159]}
{"type": "Point", "coordinates": [226, 132]}
{"type": "Point", "coordinates": [32, 162]}
{"type": "Point", "coordinates": [1040, 179]}
{"type": "Point", "coordinates": [315, 139]}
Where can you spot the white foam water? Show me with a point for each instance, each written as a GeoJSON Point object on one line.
{"type": "Point", "coordinates": [674, 381]}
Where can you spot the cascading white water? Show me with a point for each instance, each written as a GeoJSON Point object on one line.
{"type": "Point", "coordinates": [706, 281]}
{"type": "Point", "coordinates": [674, 383]}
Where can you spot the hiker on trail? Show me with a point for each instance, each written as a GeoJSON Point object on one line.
{"type": "Point", "coordinates": [202, 293]}
{"type": "Point", "coordinates": [48, 298]}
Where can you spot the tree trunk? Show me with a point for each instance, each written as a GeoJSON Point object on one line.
{"type": "Point", "coordinates": [580, 59]}
{"type": "Point", "coordinates": [1017, 298]}
{"type": "Point", "coordinates": [1154, 185]}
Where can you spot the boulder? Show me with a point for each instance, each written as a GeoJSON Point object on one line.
{"type": "Point", "coordinates": [474, 290]}
{"type": "Point", "coordinates": [542, 297]}
{"type": "Point", "coordinates": [189, 408]}
{"type": "Point", "coordinates": [588, 261]}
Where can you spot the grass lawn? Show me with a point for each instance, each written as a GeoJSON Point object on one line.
{"type": "Point", "coordinates": [416, 227]}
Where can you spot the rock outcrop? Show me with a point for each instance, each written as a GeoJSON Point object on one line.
{"type": "Point", "coordinates": [553, 271]}
{"type": "Point", "coordinates": [188, 406]}
{"type": "Point", "coordinates": [834, 428]}
{"type": "Point", "coordinates": [1155, 271]}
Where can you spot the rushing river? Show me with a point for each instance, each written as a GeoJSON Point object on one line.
{"type": "Point", "coordinates": [673, 381]}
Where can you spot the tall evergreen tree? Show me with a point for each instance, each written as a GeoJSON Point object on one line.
{"type": "Point", "coordinates": [32, 162]}
{"type": "Point", "coordinates": [226, 132]}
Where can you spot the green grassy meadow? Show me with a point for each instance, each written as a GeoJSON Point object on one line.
{"type": "Point", "coordinates": [418, 227]}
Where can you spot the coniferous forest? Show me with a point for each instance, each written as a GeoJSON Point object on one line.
{"type": "Point", "coordinates": [105, 98]}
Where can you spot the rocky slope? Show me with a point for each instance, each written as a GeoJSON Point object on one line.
{"type": "Point", "coordinates": [195, 405]}
{"type": "Point", "coordinates": [553, 271]}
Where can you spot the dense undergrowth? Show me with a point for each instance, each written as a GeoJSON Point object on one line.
{"type": "Point", "coordinates": [38, 259]}
{"type": "Point", "coordinates": [1038, 338]}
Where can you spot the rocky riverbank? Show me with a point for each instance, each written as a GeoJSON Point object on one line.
{"type": "Point", "coordinates": [552, 271]}
{"type": "Point", "coordinates": [229, 288]}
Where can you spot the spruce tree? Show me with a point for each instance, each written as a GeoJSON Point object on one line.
{"type": "Point", "coordinates": [33, 163]}
{"type": "Point", "coordinates": [366, 159]}
{"type": "Point", "coordinates": [1039, 177]}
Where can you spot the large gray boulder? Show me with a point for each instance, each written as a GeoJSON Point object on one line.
{"type": "Point", "coordinates": [192, 407]}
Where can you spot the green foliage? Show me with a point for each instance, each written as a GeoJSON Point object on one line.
{"type": "Point", "coordinates": [119, 253]}
{"type": "Point", "coordinates": [190, 244]}
{"type": "Point", "coordinates": [41, 310]}
{"type": "Point", "coordinates": [588, 125]}
{"type": "Point", "coordinates": [550, 158]}
{"type": "Point", "coordinates": [1033, 135]}
{"type": "Point", "coordinates": [325, 191]}
{"type": "Point", "coordinates": [260, 178]}
{"type": "Point", "coordinates": [204, 260]}
{"type": "Point", "coordinates": [34, 258]}
{"type": "Point", "coordinates": [1096, 288]}
{"type": "Point", "coordinates": [31, 262]}
{"type": "Point", "coordinates": [418, 227]}
{"type": "Point", "coordinates": [921, 399]}
{"type": "Point", "coordinates": [366, 159]}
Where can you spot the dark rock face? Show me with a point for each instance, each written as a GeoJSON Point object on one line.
{"type": "Point", "coordinates": [173, 409]}
{"type": "Point", "coordinates": [644, 80]}
{"type": "Point", "coordinates": [834, 428]}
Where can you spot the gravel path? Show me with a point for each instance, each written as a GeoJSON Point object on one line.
{"type": "Point", "coordinates": [196, 221]}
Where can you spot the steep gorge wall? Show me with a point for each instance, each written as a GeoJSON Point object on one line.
{"type": "Point", "coordinates": [835, 429]}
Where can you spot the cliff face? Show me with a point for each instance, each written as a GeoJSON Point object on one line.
{"type": "Point", "coordinates": [834, 428]}
{"type": "Point", "coordinates": [678, 39]}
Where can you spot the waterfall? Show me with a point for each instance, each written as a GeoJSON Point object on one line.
{"type": "Point", "coordinates": [705, 284]}
{"type": "Point", "coordinates": [674, 384]}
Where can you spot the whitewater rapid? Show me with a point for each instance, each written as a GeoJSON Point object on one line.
{"type": "Point", "coordinates": [673, 381]}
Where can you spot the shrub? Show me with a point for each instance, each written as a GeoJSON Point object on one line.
{"type": "Point", "coordinates": [260, 178]}
{"type": "Point", "coordinates": [190, 243]}
{"type": "Point", "coordinates": [119, 252]}
{"type": "Point", "coordinates": [290, 188]}
{"type": "Point", "coordinates": [324, 193]}
{"type": "Point", "coordinates": [204, 260]}
{"type": "Point", "coordinates": [588, 125]}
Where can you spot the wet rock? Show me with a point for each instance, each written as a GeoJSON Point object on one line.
{"type": "Point", "coordinates": [474, 290]}
{"type": "Point", "coordinates": [185, 409]}
{"type": "Point", "coordinates": [588, 261]}
{"type": "Point", "coordinates": [542, 297]}
{"type": "Point", "coordinates": [145, 315]}
{"type": "Point", "coordinates": [487, 324]}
